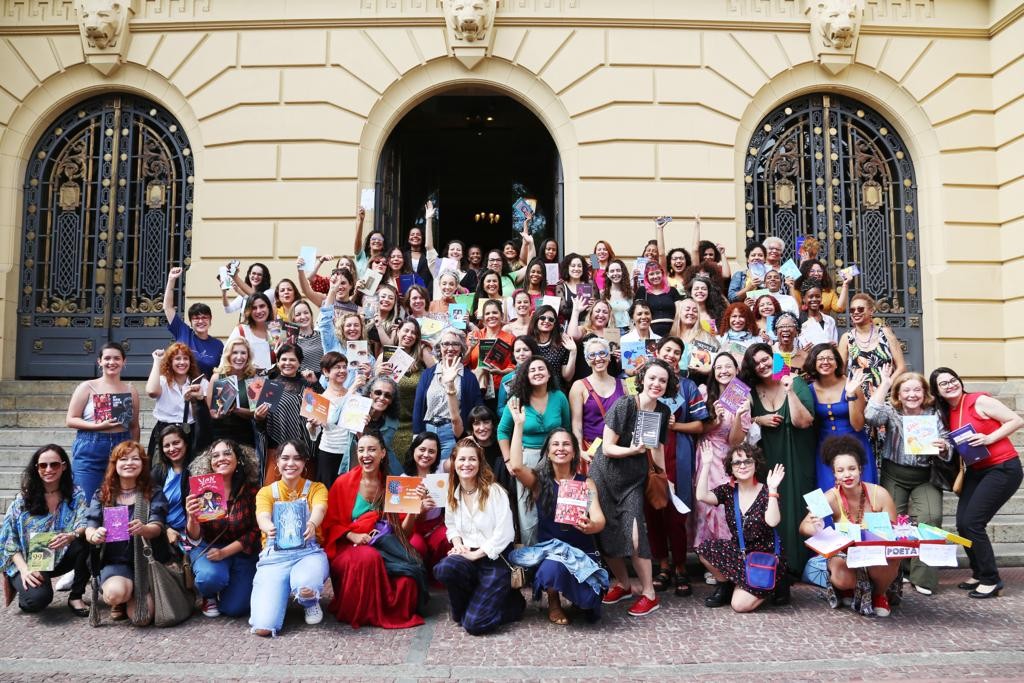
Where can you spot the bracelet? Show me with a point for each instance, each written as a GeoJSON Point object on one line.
{"type": "Point", "coordinates": [773, 495]}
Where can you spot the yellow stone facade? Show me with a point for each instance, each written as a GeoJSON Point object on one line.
{"type": "Point", "coordinates": [651, 104]}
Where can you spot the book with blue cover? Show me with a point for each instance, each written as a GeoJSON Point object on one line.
{"type": "Point", "coordinates": [290, 519]}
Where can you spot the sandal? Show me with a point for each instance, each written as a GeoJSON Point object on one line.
{"type": "Point", "coordinates": [683, 589]}
{"type": "Point", "coordinates": [557, 615]}
{"type": "Point", "coordinates": [663, 579]}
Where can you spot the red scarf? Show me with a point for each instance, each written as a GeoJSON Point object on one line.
{"type": "Point", "coordinates": [340, 501]}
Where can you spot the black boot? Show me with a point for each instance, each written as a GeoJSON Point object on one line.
{"type": "Point", "coordinates": [782, 595]}
{"type": "Point", "coordinates": [721, 596]}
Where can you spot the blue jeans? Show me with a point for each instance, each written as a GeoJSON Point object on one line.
{"type": "Point", "coordinates": [447, 437]}
{"type": "Point", "coordinates": [229, 581]}
{"type": "Point", "coordinates": [90, 453]}
{"type": "Point", "coordinates": [281, 574]}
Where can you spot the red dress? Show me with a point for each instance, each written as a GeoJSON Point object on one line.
{"type": "Point", "coordinates": [430, 540]}
{"type": "Point", "coordinates": [363, 591]}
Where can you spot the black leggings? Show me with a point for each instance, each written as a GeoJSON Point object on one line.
{"type": "Point", "coordinates": [985, 491]}
{"type": "Point", "coordinates": [36, 599]}
{"type": "Point", "coordinates": [327, 465]}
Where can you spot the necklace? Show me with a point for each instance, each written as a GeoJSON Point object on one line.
{"type": "Point", "coordinates": [871, 335]}
{"type": "Point", "coordinates": [846, 504]}
{"type": "Point", "coordinates": [469, 493]}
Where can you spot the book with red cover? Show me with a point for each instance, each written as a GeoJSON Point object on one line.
{"type": "Point", "coordinates": [112, 407]}
{"type": "Point", "coordinates": [572, 502]}
{"type": "Point", "coordinates": [500, 356]}
{"type": "Point", "coordinates": [210, 490]}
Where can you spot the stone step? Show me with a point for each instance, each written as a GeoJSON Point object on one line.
{"type": "Point", "coordinates": [1007, 554]}
{"type": "Point", "coordinates": [1014, 506]}
{"type": "Point", "coordinates": [1002, 529]}
{"type": "Point", "coordinates": [54, 419]}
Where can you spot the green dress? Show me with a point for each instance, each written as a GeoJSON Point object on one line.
{"type": "Point", "coordinates": [795, 449]}
{"type": "Point", "coordinates": [406, 397]}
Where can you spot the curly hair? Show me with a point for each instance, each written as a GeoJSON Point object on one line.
{"type": "Point", "coordinates": [173, 350]}
{"type": "Point", "coordinates": [715, 303]}
{"type": "Point", "coordinates": [756, 313]}
{"type": "Point", "coordinates": [484, 475]}
{"type": "Point", "coordinates": [563, 267]}
{"type": "Point", "coordinates": [748, 368]}
{"type": "Point", "coordinates": [110, 489]}
{"type": "Point", "coordinates": [834, 446]}
{"type": "Point", "coordinates": [805, 274]}
{"type": "Point", "coordinates": [161, 463]}
{"type": "Point", "coordinates": [752, 452]}
{"type": "Point", "coordinates": [671, 388]}
{"type": "Point", "coordinates": [520, 388]}
{"type": "Point", "coordinates": [32, 491]}
{"type": "Point", "coordinates": [247, 471]}
{"type": "Point", "coordinates": [749, 322]}
{"type": "Point", "coordinates": [625, 285]}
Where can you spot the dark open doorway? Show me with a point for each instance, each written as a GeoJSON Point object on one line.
{"type": "Point", "coordinates": [468, 148]}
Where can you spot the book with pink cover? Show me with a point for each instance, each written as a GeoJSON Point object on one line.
{"type": "Point", "coordinates": [115, 521]}
{"type": "Point", "coordinates": [212, 495]}
{"type": "Point", "coordinates": [572, 502]}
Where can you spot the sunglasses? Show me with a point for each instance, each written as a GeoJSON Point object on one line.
{"type": "Point", "coordinates": [742, 463]}
{"type": "Point", "coordinates": [377, 393]}
{"type": "Point", "coordinates": [858, 309]}
{"type": "Point", "coordinates": [546, 319]}
{"type": "Point", "coordinates": [43, 466]}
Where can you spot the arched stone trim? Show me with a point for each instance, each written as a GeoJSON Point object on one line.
{"type": "Point", "coordinates": [907, 117]}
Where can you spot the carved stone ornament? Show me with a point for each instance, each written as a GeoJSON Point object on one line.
{"type": "Point", "coordinates": [469, 25]}
{"type": "Point", "coordinates": [835, 27]}
{"type": "Point", "coordinates": [104, 28]}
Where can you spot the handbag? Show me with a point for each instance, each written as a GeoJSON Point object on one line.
{"type": "Point", "coordinates": [518, 577]}
{"type": "Point", "coordinates": [945, 473]}
{"type": "Point", "coordinates": [958, 483]}
{"type": "Point", "coordinates": [656, 487]}
{"type": "Point", "coordinates": [173, 601]}
{"type": "Point", "coordinates": [760, 568]}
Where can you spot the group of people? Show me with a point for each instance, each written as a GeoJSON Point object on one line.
{"type": "Point", "coordinates": [664, 462]}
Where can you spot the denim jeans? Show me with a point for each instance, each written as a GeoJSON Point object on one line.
{"type": "Point", "coordinates": [229, 581]}
{"type": "Point", "coordinates": [446, 436]}
{"type": "Point", "coordinates": [90, 453]}
{"type": "Point", "coordinates": [281, 574]}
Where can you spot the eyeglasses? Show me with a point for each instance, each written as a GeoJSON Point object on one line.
{"type": "Point", "coordinates": [597, 355]}
{"type": "Point", "coordinates": [742, 463]}
{"type": "Point", "coordinates": [858, 309]}
{"type": "Point", "coordinates": [449, 344]}
{"type": "Point", "coordinates": [783, 328]}
{"type": "Point", "coordinates": [43, 466]}
{"type": "Point", "coordinates": [201, 318]}
{"type": "Point", "coordinates": [380, 393]}
{"type": "Point", "coordinates": [546, 319]}
{"type": "Point", "coordinates": [947, 383]}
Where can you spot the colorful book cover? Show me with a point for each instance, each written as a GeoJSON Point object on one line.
{"type": "Point", "coordinates": [499, 357]}
{"type": "Point", "coordinates": [734, 395]}
{"type": "Point", "coordinates": [639, 266]}
{"type": "Point", "coordinates": [233, 266]}
{"type": "Point", "coordinates": [632, 352]}
{"type": "Point", "coordinates": [445, 264]}
{"type": "Point", "coordinates": [757, 270]}
{"type": "Point", "coordinates": [484, 347]}
{"type": "Point", "coordinates": [290, 517]}
{"type": "Point", "coordinates": [275, 334]}
{"type": "Point", "coordinates": [648, 426]}
{"type": "Point", "coordinates": [371, 280]}
{"type": "Point", "coordinates": [789, 269]}
{"type": "Point", "coordinates": [112, 407]}
{"type": "Point", "coordinates": [437, 487]}
{"type": "Point", "coordinates": [970, 454]}
{"type": "Point", "coordinates": [401, 496]}
{"type": "Point", "coordinates": [209, 488]}
{"type": "Point", "coordinates": [41, 557]}
{"type": "Point", "coordinates": [629, 385]}
{"type": "Point", "coordinates": [849, 272]}
{"type": "Point", "coordinates": [408, 280]}
{"type": "Point", "coordinates": [585, 291]}
{"type": "Point", "coordinates": [800, 239]}
{"type": "Point", "coordinates": [291, 333]}
{"type": "Point", "coordinates": [780, 366]}
{"type": "Point", "coordinates": [701, 354]}
{"type": "Point", "coordinates": [595, 262]}
{"type": "Point", "coordinates": [612, 335]}
{"type": "Point", "coordinates": [828, 542]}
{"type": "Point", "coordinates": [400, 364]}
{"type": "Point", "coordinates": [552, 273]}
{"type": "Point", "coordinates": [354, 413]}
{"type": "Point", "coordinates": [225, 396]}
{"type": "Point", "coordinates": [920, 432]}
{"type": "Point", "coordinates": [756, 294]}
{"type": "Point", "coordinates": [457, 316]}
{"type": "Point", "coordinates": [572, 502]}
{"type": "Point", "coordinates": [270, 394]}
{"type": "Point", "coordinates": [357, 351]}
{"type": "Point", "coordinates": [430, 326]}
{"type": "Point", "coordinates": [253, 388]}
{"type": "Point", "coordinates": [115, 521]}
{"type": "Point", "coordinates": [708, 326]}
{"type": "Point", "coordinates": [387, 352]}
{"type": "Point", "coordinates": [521, 210]}
{"type": "Point", "coordinates": [817, 504]}
{"type": "Point", "coordinates": [465, 300]}
{"type": "Point", "coordinates": [314, 406]}
{"type": "Point", "coordinates": [769, 327]}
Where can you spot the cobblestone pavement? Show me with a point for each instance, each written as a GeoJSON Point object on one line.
{"type": "Point", "coordinates": [943, 637]}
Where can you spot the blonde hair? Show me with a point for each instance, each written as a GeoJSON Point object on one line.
{"type": "Point", "coordinates": [225, 358]}
{"type": "Point", "coordinates": [894, 393]}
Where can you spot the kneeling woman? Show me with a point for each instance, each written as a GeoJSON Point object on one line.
{"type": "Point", "coordinates": [585, 585]}
{"type": "Point", "coordinates": [479, 520]}
{"type": "Point", "coordinates": [425, 529]}
{"type": "Point", "coordinates": [378, 580]}
{"type": "Point", "coordinates": [851, 500]}
{"type": "Point", "coordinates": [758, 506]}
{"type": "Point", "coordinates": [292, 561]}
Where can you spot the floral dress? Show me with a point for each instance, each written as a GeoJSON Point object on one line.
{"type": "Point", "coordinates": [712, 449]}
{"type": "Point", "coordinates": [869, 361]}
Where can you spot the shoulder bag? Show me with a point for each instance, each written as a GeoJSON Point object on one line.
{"type": "Point", "coordinates": [656, 487]}
{"type": "Point", "coordinates": [759, 568]}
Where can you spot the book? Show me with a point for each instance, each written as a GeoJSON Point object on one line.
{"type": "Point", "coordinates": [879, 524]}
{"type": "Point", "coordinates": [291, 333]}
{"type": "Point", "coordinates": [357, 351]}
{"type": "Point", "coordinates": [585, 291]}
{"type": "Point", "coordinates": [354, 412]}
{"type": "Point", "coordinates": [484, 347]}
{"type": "Point", "coordinates": [371, 280]}
{"type": "Point", "coordinates": [437, 488]}
{"type": "Point", "coordinates": [817, 504]}
{"type": "Point", "coordinates": [572, 502]}
{"type": "Point", "coordinates": [828, 542]}
{"type": "Point", "coordinates": [596, 443]}
{"type": "Point", "coordinates": [799, 244]}
{"type": "Point", "coordinates": [387, 352]}
{"type": "Point", "coordinates": [612, 335]}
{"type": "Point", "coordinates": [115, 521]}
{"type": "Point", "coordinates": [445, 264]}
{"type": "Point", "coordinates": [970, 454]}
{"type": "Point", "coordinates": [210, 490]}
{"type": "Point", "coordinates": [290, 517]}
{"type": "Point", "coordinates": [769, 327]}
{"type": "Point", "coordinates": [499, 357]}
{"type": "Point", "coordinates": [701, 354]}
{"type": "Point", "coordinates": [112, 407]}
{"type": "Point", "coordinates": [430, 326]}
{"type": "Point", "coordinates": [756, 294]}
{"type": "Point", "coordinates": [789, 269]}
{"type": "Point", "coordinates": [639, 268]}
{"type": "Point", "coordinates": [314, 406]}
{"type": "Point", "coordinates": [41, 558]}
{"type": "Point", "coordinates": [465, 300]}
{"type": "Point", "coordinates": [308, 256]}
{"type": "Point", "coordinates": [408, 280]}
{"type": "Point", "coordinates": [648, 428]}
{"type": "Point", "coordinates": [849, 272]}
{"type": "Point", "coordinates": [367, 198]}
{"type": "Point", "coordinates": [522, 209]}
{"type": "Point", "coordinates": [757, 270]}
{"type": "Point", "coordinates": [920, 432]}
{"type": "Point", "coordinates": [734, 395]}
{"type": "Point", "coordinates": [233, 266]}
{"type": "Point", "coordinates": [552, 273]}
{"type": "Point", "coordinates": [224, 279]}
{"type": "Point", "coordinates": [253, 388]}
{"type": "Point", "coordinates": [275, 333]}
{"type": "Point", "coordinates": [780, 368]}
{"type": "Point", "coordinates": [632, 353]}
{"type": "Point", "coordinates": [630, 387]}
{"type": "Point", "coordinates": [662, 221]}
{"type": "Point", "coordinates": [554, 302]}
{"type": "Point", "coordinates": [225, 396]}
{"type": "Point", "coordinates": [708, 326]}
{"type": "Point", "coordinates": [595, 262]}
{"type": "Point", "coordinates": [401, 496]}
{"type": "Point", "coordinates": [400, 364]}
{"type": "Point", "coordinates": [457, 316]}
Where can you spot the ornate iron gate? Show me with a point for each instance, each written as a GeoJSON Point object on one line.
{"type": "Point", "coordinates": [108, 211]}
{"type": "Point", "coordinates": [828, 166]}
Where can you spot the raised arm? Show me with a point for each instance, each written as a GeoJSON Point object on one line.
{"type": "Point", "coordinates": [527, 249]}
{"type": "Point", "coordinates": [360, 219]}
{"type": "Point", "coordinates": [702, 493]}
{"type": "Point", "coordinates": [153, 389]}
{"type": "Point", "coordinates": [428, 228]}
{"type": "Point", "coordinates": [515, 453]}
{"type": "Point", "coordinates": [695, 254]}
{"type": "Point", "coordinates": [855, 398]}
{"type": "Point", "coordinates": [170, 310]}
{"type": "Point", "coordinates": [659, 235]}
{"type": "Point", "coordinates": [307, 289]}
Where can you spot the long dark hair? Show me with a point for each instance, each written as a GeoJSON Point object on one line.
{"type": "Point", "coordinates": [264, 285]}
{"type": "Point", "coordinates": [271, 310]}
{"type": "Point", "coordinates": [714, 391]}
{"type": "Point", "coordinates": [748, 369]}
{"type": "Point", "coordinates": [520, 385]}
{"type": "Point", "coordinates": [531, 329]}
{"type": "Point", "coordinates": [161, 464]}
{"type": "Point", "coordinates": [32, 491]}
{"type": "Point", "coordinates": [547, 487]}
{"type": "Point", "coordinates": [941, 404]}
{"type": "Point", "coordinates": [805, 275]}
{"type": "Point", "coordinates": [410, 461]}
{"type": "Point", "coordinates": [537, 261]}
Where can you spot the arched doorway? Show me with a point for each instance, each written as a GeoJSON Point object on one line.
{"type": "Point", "coordinates": [474, 152]}
{"type": "Point", "coordinates": [107, 211]}
{"type": "Point", "coordinates": [828, 166]}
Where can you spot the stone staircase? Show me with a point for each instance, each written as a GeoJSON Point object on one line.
{"type": "Point", "coordinates": [32, 414]}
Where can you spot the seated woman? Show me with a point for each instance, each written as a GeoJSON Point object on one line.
{"type": "Point", "coordinates": [224, 550]}
{"type": "Point", "coordinates": [476, 571]}
{"type": "Point", "coordinates": [49, 502]}
{"type": "Point", "coordinates": [289, 566]}
{"type": "Point", "coordinates": [872, 588]}
{"type": "Point", "coordinates": [377, 579]}
{"type": "Point", "coordinates": [425, 529]}
{"type": "Point", "coordinates": [758, 504]}
{"type": "Point", "coordinates": [561, 463]}
{"type": "Point", "coordinates": [124, 484]}
{"type": "Point", "coordinates": [170, 473]}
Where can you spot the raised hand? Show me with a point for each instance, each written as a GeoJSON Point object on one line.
{"type": "Point", "coordinates": [775, 477]}
{"type": "Point", "coordinates": [855, 381]}
{"type": "Point", "coordinates": [174, 273]}
{"type": "Point", "coordinates": [517, 411]}
{"type": "Point", "coordinates": [428, 210]}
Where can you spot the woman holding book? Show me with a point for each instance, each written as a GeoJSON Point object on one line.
{"type": "Point", "coordinates": [766, 311]}
{"type": "Point", "coordinates": [757, 505]}
{"type": "Point", "coordinates": [224, 550]}
{"type": "Point", "coordinates": [813, 270]}
{"type": "Point", "coordinates": [783, 408]}
{"type": "Point", "coordinates": [619, 471]}
{"type": "Point", "coordinates": [869, 347]}
{"type": "Point", "coordinates": [396, 268]}
{"type": "Point", "coordinates": [773, 282]}
{"type": "Point", "coordinates": [592, 397]}
{"type": "Point", "coordinates": [373, 246]}
{"type": "Point", "coordinates": [851, 500]}
{"type": "Point", "coordinates": [536, 390]}
{"type": "Point", "coordinates": [377, 578]}
{"type": "Point", "coordinates": [522, 308]}
{"type": "Point", "coordinates": [678, 261]}
{"type": "Point", "coordinates": [479, 526]}
{"type": "Point", "coordinates": [482, 340]}
{"type": "Point", "coordinates": [554, 346]}
{"type": "Point", "coordinates": [425, 529]}
{"type": "Point", "coordinates": [488, 289]}
{"type": "Point", "coordinates": [289, 512]}
{"type": "Point", "coordinates": [688, 328]}
{"type": "Point", "coordinates": [598, 324]}
{"type": "Point", "coordinates": [259, 313]}
{"type": "Point", "coordinates": [816, 327]}
{"type": "Point", "coordinates": [575, 272]}
{"type": "Point", "coordinates": [381, 420]}
{"type": "Point", "coordinates": [49, 504]}
{"type": "Point", "coordinates": [230, 411]}
{"type": "Point", "coordinates": [640, 314]}
{"type": "Point", "coordinates": [337, 331]}
{"type": "Point", "coordinates": [126, 483]}
{"type": "Point", "coordinates": [743, 282]}
{"type": "Point", "coordinates": [283, 423]}
{"type": "Point", "coordinates": [789, 344]}
{"type": "Point", "coordinates": [536, 281]}
{"type": "Point", "coordinates": [547, 483]}
{"type": "Point", "coordinates": [307, 337]}
{"type": "Point", "coordinates": [177, 384]}
{"type": "Point", "coordinates": [408, 339]}
{"type": "Point", "coordinates": [420, 253]}
{"type": "Point", "coordinates": [170, 473]}
{"type": "Point", "coordinates": [907, 475]}
{"type": "Point", "coordinates": [383, 326]}
{"type": "Point", "coordinates": [710, 302]}
{"type": "Point", "coordinates": [446, 393]}
{"type": "Point", "coordinates": [256, 281]}
{"type": "Point", "coordinates": [605, 255]}
{"type": "Point", "coordinates": [99, 430]}
{"type": "Point", "coordinates": [334, 440]}
{"type": "Point", "coordinates": [984, 426]}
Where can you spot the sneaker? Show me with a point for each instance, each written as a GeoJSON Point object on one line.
{"type": "Point", "coordinates": [881, 605]}
{"type": "Point", "coordinates": [314, 615]}
{"type": "Point", "coordinates": [644, 606]}
{"type": "Point", "coordinates": [210, 607]}
{"type": "Point", "coordinates": [922, 590]}
{"type": "Point", "coordinates": [64, 582]}
{"type": "Point", "coordinates": [615, 594]}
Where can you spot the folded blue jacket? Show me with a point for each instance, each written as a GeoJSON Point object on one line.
{"type": "Point", "coordinates": [579, 564]}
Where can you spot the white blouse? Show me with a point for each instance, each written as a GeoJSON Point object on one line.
{"type": "Point", "coordinates": [489, 529]}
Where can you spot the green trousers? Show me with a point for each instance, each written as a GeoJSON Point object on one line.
{"type": "Point", "coordinates": [914, 495]}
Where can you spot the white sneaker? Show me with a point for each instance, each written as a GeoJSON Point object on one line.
{"type": "Point", "coordinates": [314, 615]}
{"type": "Point", "coordinates": [922, 590]}
{"type": "Point", "coordinates": [64, 582]}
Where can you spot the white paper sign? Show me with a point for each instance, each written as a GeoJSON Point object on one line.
{"type": "Point", "coordinates": [366, 199]}
{"type": "Point", "coordinates": [400, 364]}
{"type": "Point", "coordinates": [677, 502]}
{"type": "Point", "coordinates": [938, 554]}
{"type": "Point", "coordinates": [865, 556]}
{"type": "Point", "coordinates": [437, 487]}
{"type": "Point", "coordinates": [818, 504]}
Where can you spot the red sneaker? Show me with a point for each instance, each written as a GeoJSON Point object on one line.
{"type": "Point", "coordinates": [881, 605]}
{"type": "Point", "coordinates": [644, 606]}
{"type": "Point", "coordinates": [615, 594]}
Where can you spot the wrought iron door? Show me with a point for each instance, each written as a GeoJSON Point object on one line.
{"type": "Point", "coordinates": [107, 212]}
{"type": "Point", "coordinates": [830, 167]}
